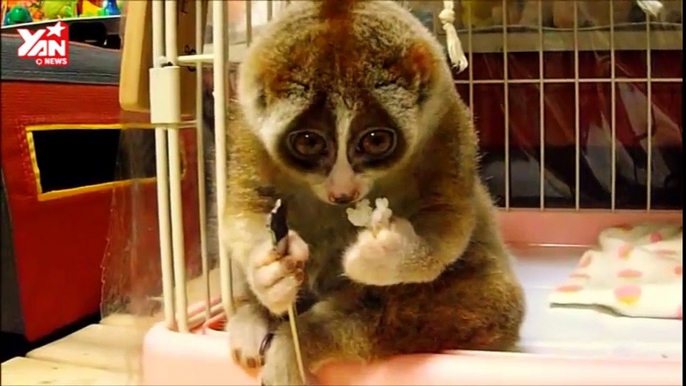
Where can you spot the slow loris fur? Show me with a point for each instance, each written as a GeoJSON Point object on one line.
{"type": "Point", "coordinates": [341, 100]}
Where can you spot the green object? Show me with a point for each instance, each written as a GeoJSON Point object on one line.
{"type": "Point", "coordinates": [58, 9]}
{"type": "Point", "coordinates": [18, 15]}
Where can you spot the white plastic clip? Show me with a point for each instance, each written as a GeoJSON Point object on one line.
{"type": "Point", "coordinates": [165, 95]}
{"type": "Point", "coordinates": [455, 51]}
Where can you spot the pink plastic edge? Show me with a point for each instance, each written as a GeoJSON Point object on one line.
{"type": "Point", "coordinates": [570, 228]}
{"type": "Point", "coordinates": [203, 358]}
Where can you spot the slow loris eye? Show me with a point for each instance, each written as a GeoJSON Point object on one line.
{"type": "Point", "coordinates": [377, 143]}
{"type": "Point", "coordinates": [306, 144]}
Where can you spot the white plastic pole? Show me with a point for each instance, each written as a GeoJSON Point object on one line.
{"type": "Point", "coordinates": [200, 144]}
{"type": "Point", "coordinates": [219, 72]}
{"type": "Point", "coordinates": [178, 248]}
{"type": "Point", "coordinates": [162, 178]}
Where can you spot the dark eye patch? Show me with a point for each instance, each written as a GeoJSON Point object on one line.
{"type": "Point", "coordinates": [318, 119]}
{"type": "Point", "coordinates": [372, 115]}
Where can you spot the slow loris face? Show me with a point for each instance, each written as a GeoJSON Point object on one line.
{"type": "Point", "coordinates": [341, 151]}
{"type": "Point", "coordinates": [338, 104]}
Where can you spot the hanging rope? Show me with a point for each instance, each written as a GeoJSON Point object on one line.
{"type": "Point", "coordinates": [650, 7]}
{"type": "Point", "coordinates": [455, 51]}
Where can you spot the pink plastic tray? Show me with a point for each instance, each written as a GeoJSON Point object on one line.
{"type": "Point", "coordinates": [560, 346]}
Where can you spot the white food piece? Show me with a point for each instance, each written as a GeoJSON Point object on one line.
{"type": "Point", "coordinates": [361, 214]}
{"type": "Point", "coordinates": [382, 214]}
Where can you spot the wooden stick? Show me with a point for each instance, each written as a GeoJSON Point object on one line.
{"type": "Point", "coordinates": [279, 230]}
{"type": "Point", "coordinates": [296, 341]}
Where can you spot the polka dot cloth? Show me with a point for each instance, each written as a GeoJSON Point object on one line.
{"type": "Point", "coordinates": [636, 271]}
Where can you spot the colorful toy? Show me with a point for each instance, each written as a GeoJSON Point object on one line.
{"type": "Point", "coordinates": [17, 15]}
{"type": "Point", "coordinates": [27, 11]}
{"type": "Point", "coordinates": [58, 9]}
{"type": "Point", "coordinates": [110, 8]}
{"type": "Point", "coordinates": [36, 11]}
{"type": "Point", "coordinates": [89, 9]}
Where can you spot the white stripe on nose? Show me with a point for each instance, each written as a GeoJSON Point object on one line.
{"type": "Point", "coordinates": [342, 184]}
{"type": "Point", "coordinates": [341, 180]}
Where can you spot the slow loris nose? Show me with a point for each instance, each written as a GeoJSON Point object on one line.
{"type": "Point", "coordinates": [343, 198]}
{"type": "Point", "coordinates": [341, 186]}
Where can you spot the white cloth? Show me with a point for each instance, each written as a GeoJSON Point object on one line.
{"type": "Point", "coordinates": [636, 271]}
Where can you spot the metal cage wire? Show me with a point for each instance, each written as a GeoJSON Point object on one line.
{"type": "Point", "coordinates": [167, 141]}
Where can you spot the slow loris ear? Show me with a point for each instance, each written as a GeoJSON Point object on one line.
{"type": "Point", "coordinates": [414, 69]}
{"type": "Point", "coordinates": [252, 91]}
{"type": "Point", "coordinates": [419, 65]}
{"type": "Point", "coordinates": [260, 97]}
{"type": "Point", "coordinates": [254, 77]}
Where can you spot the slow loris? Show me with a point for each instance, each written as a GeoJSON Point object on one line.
{"type": "Point", "coordinates": [343, 100]}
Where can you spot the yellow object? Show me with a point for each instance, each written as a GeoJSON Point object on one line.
{"type": "Point", "coordinates": [89, 9]}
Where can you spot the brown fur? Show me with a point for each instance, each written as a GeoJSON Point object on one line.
{"type": "Point", "coordinates": [459, 291]}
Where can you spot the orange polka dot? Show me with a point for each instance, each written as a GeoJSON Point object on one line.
{"type": "Point", "coordinates": [628, 294]}
{"type": "Point", "coordinates": [655, 237]}
{"type": "Point", "coordinates": [586, 259]}
{"type": "Point", "coordinates": [624, 251]}
{"type": "Point", "coordinates": [569, 288]}
{"type": "Point", "coordinates": [678, 270]}
{"type": "Point", "coordinates": [629, 273]}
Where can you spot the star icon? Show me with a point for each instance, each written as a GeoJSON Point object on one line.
{"type": "Point", "coordinates": [56, 29]}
